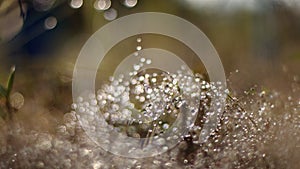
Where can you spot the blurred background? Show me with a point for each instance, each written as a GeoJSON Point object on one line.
{"type": "Point", "coordinates": [258, 42]}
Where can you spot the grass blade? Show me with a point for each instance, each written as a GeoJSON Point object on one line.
{"type": "Point", "coordinates": [3, 92]}
{"type": "Point", "coordinates": [10, 81]}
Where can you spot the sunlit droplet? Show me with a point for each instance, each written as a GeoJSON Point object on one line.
{"type": "Point", "coordinates": [148, 61]}
{"type": "Point", "coordinates": [142, 60]}
{"type": "Point", "coordinates": [136, 67]}
{"type": "Point", "coordinates": [166, 126]}
{"type": "Point", "coordinates": [142, 99]}
{"type": "Point", "coordinates": [76, 3]}
{"type": "Point", "coordinates": [102, 5]}
{"type": "Point", "coordinates": [139, 40]}
{"type": "Point", "coordinates": [185, 161]}
{"type": "Point", "coordinates": [130, 3]}
{"type": "Point", "coordinates": [153, 80]}
{"type": "Point", "coordinates": [110, 14]}
{"type": "Point", "coordinates": [139, 48]}
{"type": "Point", "coordinates": [50, 23]}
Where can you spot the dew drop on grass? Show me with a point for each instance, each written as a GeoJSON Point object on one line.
{"type": "Point", "coordinates": [139, 40]}
{"type": "Point", "coordinates": [148, 61]}
{"type": "Point", "coordinates": [138, 48]}
{"type": "Point", "coordinates": [247, 135]}
{"type": "Point", "coordinates": [165, 126]}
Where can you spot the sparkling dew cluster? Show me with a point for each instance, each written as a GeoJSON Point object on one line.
{"type": "Point", "coordinates": [261, 130]}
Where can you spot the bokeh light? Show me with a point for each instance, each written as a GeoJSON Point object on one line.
{"type": "Point", "coordinates": [50, 23]}
{"type": "Point", "coordinates": [110, 14]}
{"type": "Point", "coordinates": [76, 3]}
{"type": "Point", "coordinates": [130, 3]}
{"type": "Point", "coordinates": [102, 4]}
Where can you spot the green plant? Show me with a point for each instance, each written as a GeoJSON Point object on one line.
{"type": "Point", "coordinates": [6, 110]}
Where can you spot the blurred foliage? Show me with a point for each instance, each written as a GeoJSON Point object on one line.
{"type": "Point", "coordinates": [5, 108]}
{"type": "Point", "coordinates": [257, 42]}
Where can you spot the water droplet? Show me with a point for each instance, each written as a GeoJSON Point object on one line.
{"type": "Point", "coordinates": [138, 48]}
{"type": "Point", "coordinates": [94, 102]}
{"type": "Point", "coordinates": [153, 80]}
{"type": "Point", "coordinates": [76, 3]}
{"type": "Point", "coordinates": [50, 23]}
{"type": "Point", "coordinates": [79, 99]}
{"type": "Point", "coordinates": [97, 165]}
{"type": "Point", "coordinates": [141, 78]}
{"type": "Point", "coordinates": [81, 110]}
{"type": "Point", "coordinates": [102, 4]}
{"type": "Point", "coordinates": [115, 107]}
{"type": "Point", "coordinates": [74, 106]}
{"type": "Point", "coordinates": [110, 14]}
{"type": "Point", "coordinates": [130, 3]}
{"type": "Point", "coordinates": [142, 99]}
{"type": "Point", "coordinates": [165, 126]}
{"type": "Point", "coordinates": [148, 61]}
{"type": "Point", "coordinates": [136, 67]}
{"type": "Point", "coordinates": [139, 40]}
{"type": "Point", "coordinates": [161, 141]}
{"type": "Point", "coordinates": [142, 60]}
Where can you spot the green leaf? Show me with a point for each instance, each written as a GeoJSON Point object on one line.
{"type": "Point", "coordinates": [10, 81]}
{"type": "Point", "coordinates": [3, 92]}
